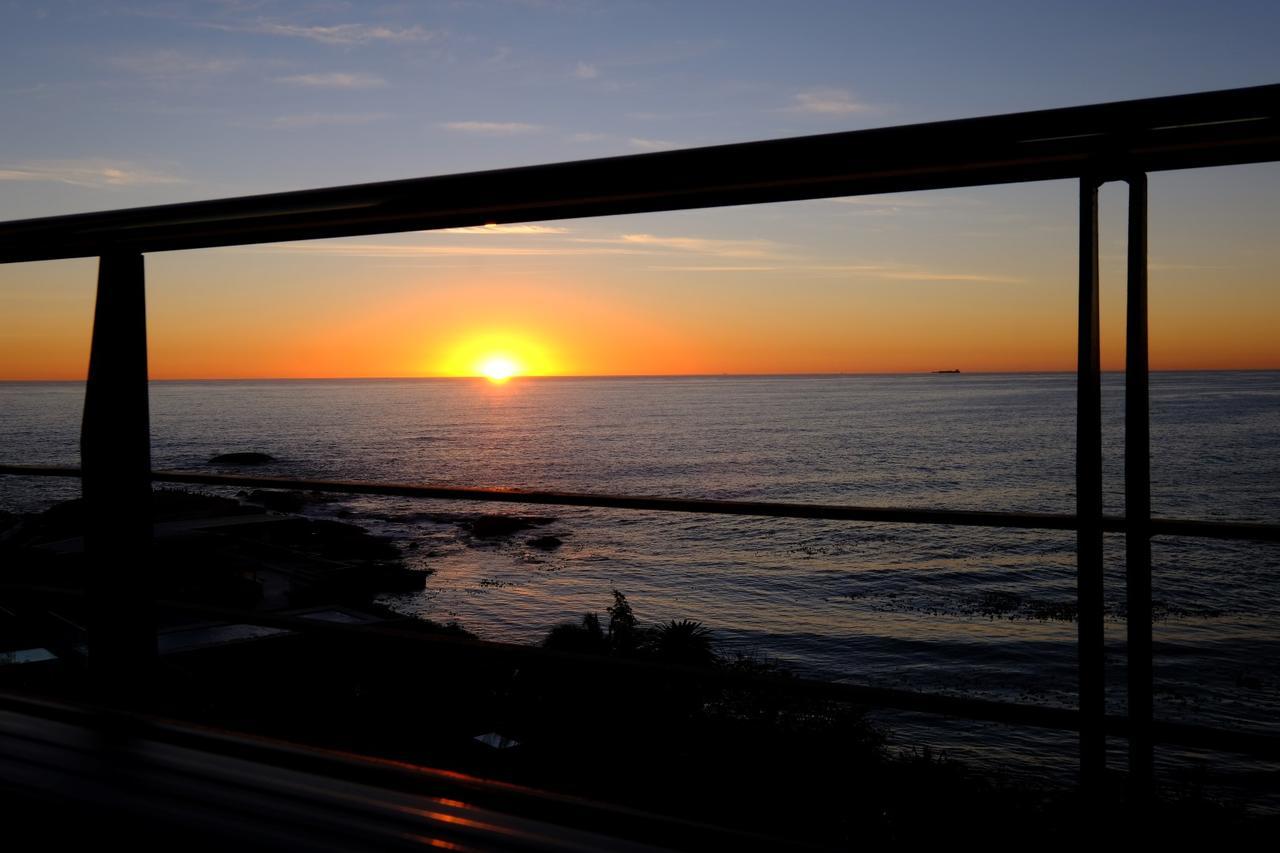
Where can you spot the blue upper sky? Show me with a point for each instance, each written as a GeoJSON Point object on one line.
{"type": "Point", "coordinates": [120, 103]}
{"type": "Point", "coordinates": [111, 104]}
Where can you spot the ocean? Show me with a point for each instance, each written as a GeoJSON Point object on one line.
{"type": "Point", "coordinates": [969, 611]}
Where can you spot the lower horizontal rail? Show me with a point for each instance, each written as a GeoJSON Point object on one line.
{"type": "Point", "coordinates": [824, 512]}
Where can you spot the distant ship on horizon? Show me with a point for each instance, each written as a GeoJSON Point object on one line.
{"type": "Point", "coordinates": [944, 371]}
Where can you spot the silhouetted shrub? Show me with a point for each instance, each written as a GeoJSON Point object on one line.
{"type": "Point", "coordinates": [683, 642]}
{"type": "Point", "coordinates": [586, 637]}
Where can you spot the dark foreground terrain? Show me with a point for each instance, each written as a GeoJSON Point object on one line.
{"type": "Point", "coordinates": [616, 707]}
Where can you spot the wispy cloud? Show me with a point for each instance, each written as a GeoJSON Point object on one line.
{"type": "Point", "coordinates": [666, 268]}
{"type": "Point", "coordinates": [884, 272]}
{"type": "Point", "coordinates": [905, 272]}
{"type": "Point", "coordinates": [495, 228]}
{"type": "Point", "coordinates": [650, 144]}
{"type": "Point", "coordinates": [586, 71]}
{"type": "Point", "coordinates": [872, 269]}
{"type": "Point", "coordinates": [386, 250]}
{"type": "Point", "coordinates": [334, 80]}
{"type": "Point", "coordinates": [91, 172]}
{"type": "Point", "coordinates": [827, 102]}
{"type": "Point", "coordinates": [339, 34]}
{"type": "Point", "coordinates": [925, 275]}
{"type": "Point", "coordinates": [683, 116]}
{"type": "Point", "coordinates": [625, 244]}
{"type": "Point", "coordinates": [757, 256]}
{"type": "Point", "coordinates": [292, 122]}
{"type": "Point", "coordinates": [587, 137]}
{"type": "Point", "coordinates": [170, 63]}
{"type": "Point", "coordinates": [490, 128]}
{"type": "Point", "coordinates": [701, 245]}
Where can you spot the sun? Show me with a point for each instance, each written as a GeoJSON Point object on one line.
{"type": "Point", "coordinates": [498, 368]}
{"type": "Point", "coordinates": [498, 355]}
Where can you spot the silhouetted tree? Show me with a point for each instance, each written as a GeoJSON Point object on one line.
{"type": "Point", "coordinates": [624, 637]}
{"type": "Point", "coordinates": [584, 638]}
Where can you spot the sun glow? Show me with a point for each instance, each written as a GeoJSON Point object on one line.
{"type": "Point", "coordinates": [498, 368]}
{"type": "Point", "coordinates": [497, 355]}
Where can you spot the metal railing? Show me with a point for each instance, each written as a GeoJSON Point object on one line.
{"type": "Point", "coordinates": [1092, 144]}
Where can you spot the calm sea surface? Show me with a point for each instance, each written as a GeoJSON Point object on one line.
{"type": "Point", "coordinates": [977, 612]}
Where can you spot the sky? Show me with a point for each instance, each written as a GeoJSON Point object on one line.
{"type": "Point", "coordinates": [110, 105]}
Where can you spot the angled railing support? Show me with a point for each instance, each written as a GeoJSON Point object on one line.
{"type": "Point", "coordinates": [115, 448]}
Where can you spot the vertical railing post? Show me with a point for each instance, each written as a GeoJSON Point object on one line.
{"type": "Point", "coordinates": [115, 450]}
{"type": "Point", "coordinates": [1137, 497]}
{"type": "Point", "coordinates": [1089, 593]}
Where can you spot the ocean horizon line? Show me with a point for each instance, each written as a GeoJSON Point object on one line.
{"type": "Point", "coordinates": [587, 376]}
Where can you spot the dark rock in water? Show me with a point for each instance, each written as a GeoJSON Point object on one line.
{"type": "Point", "coordinates": [242, 459]}
{"type": "Point", "coordinates": [278, 501]}
{"type": "Point", "coordinates": [495, 526]}
{"type": "Point", "coordinates": [546, 543]}
{"type": "Point", "coordinates": [311, 561]}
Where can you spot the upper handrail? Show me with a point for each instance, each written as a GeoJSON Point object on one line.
{"type": "Point", "coordinates": [1111, 140]}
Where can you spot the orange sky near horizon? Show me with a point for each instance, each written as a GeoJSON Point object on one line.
{"type": "Point", "coordinates": [449, 332]}
{"type": "Point", "coordinates": [810, 287]}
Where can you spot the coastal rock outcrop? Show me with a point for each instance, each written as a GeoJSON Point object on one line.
{"type": "Point", "coordinates": [498, 526]}
{"type": "Point", "coordinates": [243, 458]}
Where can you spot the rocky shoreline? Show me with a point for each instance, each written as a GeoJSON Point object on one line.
{"type": "Point", "coordinates": [596, 715]}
